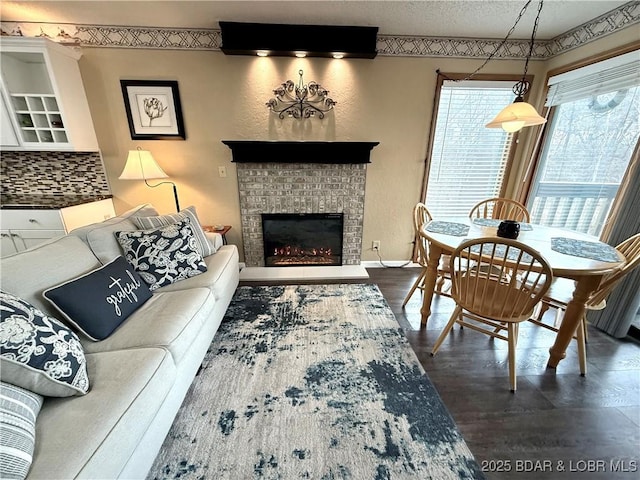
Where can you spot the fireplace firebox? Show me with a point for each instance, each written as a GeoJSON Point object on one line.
{"type": "Point", "coordinates": [299, 239]}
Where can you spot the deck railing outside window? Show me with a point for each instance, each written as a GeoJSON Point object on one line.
{"type": "Point", "coordinates": [584, 160]}
{"type": "Point", "coordinates": [582, 207]}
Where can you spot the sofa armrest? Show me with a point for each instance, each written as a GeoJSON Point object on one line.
{"type": "Point", "coordinates": [215, 239]}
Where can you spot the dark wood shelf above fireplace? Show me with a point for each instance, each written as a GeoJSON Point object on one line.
{"type": "Point", "coordinates": [275, 151]}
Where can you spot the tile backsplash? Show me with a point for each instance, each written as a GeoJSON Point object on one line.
{"type": "Point", "coordinates": [56, 173]}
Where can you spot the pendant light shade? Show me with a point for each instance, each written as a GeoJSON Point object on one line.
{"type": "Point", "coordinates": [520, 114]}
{"type": "Point", "coordinates": [515, 116]}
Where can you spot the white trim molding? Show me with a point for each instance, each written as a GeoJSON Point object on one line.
{"type": "Point", "coordinates": [112, 36]}
{"type": "Point", "coordinates": [109, 36]}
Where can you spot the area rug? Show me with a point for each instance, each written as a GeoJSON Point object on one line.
{"type": "Point", "coordinates": [312, 382]}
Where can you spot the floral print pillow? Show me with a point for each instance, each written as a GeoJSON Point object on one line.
{"type": "Point", "coordinates": [38, 352]}
{"type": "Point", "coordinates": [164, 255]}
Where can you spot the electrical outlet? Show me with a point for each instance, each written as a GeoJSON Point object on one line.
{"type": "Point", "coordinates": [222, 171]}
{"type": "Point", "coordinates": [375, 245]}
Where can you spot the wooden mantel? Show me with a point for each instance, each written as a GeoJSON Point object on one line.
{"type": "Point", "coordinates": [275, 151]}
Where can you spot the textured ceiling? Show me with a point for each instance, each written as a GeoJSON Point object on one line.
{"type": "Point", "coordinates": [439, 18]}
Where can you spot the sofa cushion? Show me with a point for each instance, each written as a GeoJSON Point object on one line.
{"type": "Point", "coordinates": [39, 353]}
{"type": "Point", "coordinates": [27, 274]}
{"type": "Point", "coordinates": [100, 236]}
{"type": "Point", "coordinates": [93, 436]}
{"type": "Point", "coordinates": [164, 255]}
{"type": "Point", "coordinates": [202, 243]}
{"type": "Point", "coordinates": [171, 320]}
{"type": "Point", "coordinates": [97, 302]}
{"type": "Point", "coordinates": [19, 409]}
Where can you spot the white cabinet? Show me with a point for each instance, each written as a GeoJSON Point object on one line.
{"type": "Point", "coordinates": [22, 229]}
{"type": "Point", "coordinates": [7, 246]}
{"type": "Point", "coordinates": [44, 97]}
{"type": "Point", "coordinates": [87, 213]}
{"type": "Point", "coordinates": [18, 240]}
{"type": "Point", "coordinates": [26, 228]}
{"type": "Point", "coordinates": [8, 135]}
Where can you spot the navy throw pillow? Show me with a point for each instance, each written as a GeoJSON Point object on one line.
{"type": "Point", "coordinates": [99, 301]}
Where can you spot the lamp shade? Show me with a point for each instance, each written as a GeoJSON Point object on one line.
{"type": "Point", "coordinates": [515, 116]}
{"type": "Point", "coordinates": [141, 166]}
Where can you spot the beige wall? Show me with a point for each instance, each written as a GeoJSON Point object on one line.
{"type": "Point", "coordinates": [388, 99]}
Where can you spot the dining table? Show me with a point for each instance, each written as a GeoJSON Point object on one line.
{"type": "Point", "coordinates": [574, 255]}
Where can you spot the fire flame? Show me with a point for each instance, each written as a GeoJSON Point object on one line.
{"type": "Point", "coordinates": [290, 251]}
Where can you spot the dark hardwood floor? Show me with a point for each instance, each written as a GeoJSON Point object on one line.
{"type": "Point", "coordinates": [558, 424]}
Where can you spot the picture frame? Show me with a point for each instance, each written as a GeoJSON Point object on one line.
{"type": "Point", "coordinates": [153, 109]}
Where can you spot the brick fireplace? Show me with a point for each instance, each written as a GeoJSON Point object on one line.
{"type": "Point", "coordinates": [301, 177]}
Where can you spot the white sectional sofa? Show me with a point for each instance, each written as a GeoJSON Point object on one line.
{"type": "Point", "coordinates": [139, 374]}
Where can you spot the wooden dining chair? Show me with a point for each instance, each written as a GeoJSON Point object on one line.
{"type": "Point", "coordinates": [422, 216]}
{"type": "Point", "coordinates": [500, 297]}
{"type": "Point", "coordinates": [561, 292]}
{"type": "Point", "coordinates": [500, 208]}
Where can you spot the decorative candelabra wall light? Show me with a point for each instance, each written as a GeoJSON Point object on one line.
{"type": "Point", "coordinates": [300, 101]}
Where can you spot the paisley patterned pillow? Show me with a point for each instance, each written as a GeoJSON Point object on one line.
{"type": "Point", "coordinates": [165, 255]}
{"type": "Point", "coordinates": [38, 352]}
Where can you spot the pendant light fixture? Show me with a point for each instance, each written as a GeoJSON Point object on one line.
{"type": "Point", "coordinates": [520, 113]}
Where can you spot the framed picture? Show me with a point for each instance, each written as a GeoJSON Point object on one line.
{"type": "Point", "coordinates": [153, 109]}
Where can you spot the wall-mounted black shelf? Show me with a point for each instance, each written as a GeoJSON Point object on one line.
{"type": "Point", "coordinates": [240, 38]}
{"type": "Point", "coordinates": [275, 151]}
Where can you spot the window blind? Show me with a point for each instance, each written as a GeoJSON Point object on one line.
{"type": "Point", "coordinates": [468, 161]}
{"type": "Point", "coordinates": [611, 75]}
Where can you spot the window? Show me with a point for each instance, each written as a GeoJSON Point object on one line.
{"type": "Point", "coordinates": [468, 162]}
{"type": "Point", "coordinates": [592, 135]}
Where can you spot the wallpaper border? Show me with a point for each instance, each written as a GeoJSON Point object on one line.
{"type": "Point", "coordinates": [388, 45]}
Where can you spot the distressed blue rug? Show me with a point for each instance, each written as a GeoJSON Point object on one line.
{"type": "Point", "coordinates": [312, 382]}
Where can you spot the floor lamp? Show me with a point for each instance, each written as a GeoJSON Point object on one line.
{"type": "Point", "coordinates": [141, 166]}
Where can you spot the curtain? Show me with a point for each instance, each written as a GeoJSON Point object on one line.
{"type": "Point", "coordinates": [624, 301]}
